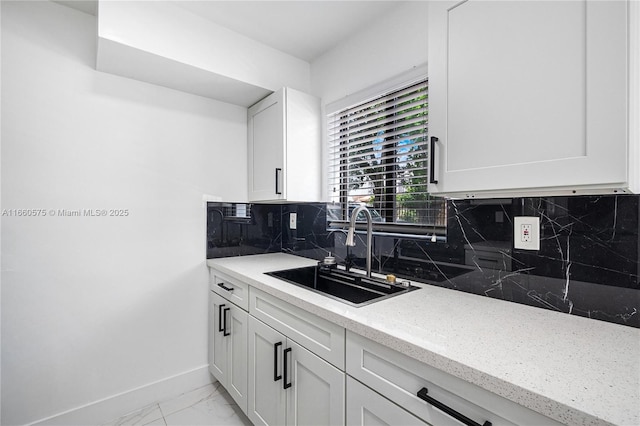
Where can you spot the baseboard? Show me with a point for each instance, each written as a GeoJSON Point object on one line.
{"type": "Point", "coordinates": [110, 408]}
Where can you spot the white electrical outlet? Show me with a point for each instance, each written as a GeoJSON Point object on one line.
{"type": "Point", "coordinates": [293, 220]}
{"type": "Point", "coordinates": [526, 232]}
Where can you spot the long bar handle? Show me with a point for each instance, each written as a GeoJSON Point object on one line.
{"type": "Point", "coordinates": [423, 394]}
{"type": "Point", "coordinates": [286, 385]}
{"type": "Point", "coordinates": [224, 287]}
{"type": "Point", "coordinates": [278, 171]}
{"type": "Point", "coordinates": [276, 377]}
{"type": "Point", "coordinates": [224, 322]}
{"type": "Point", "coordinates": [220, 328]}
{"type": "Point", "coordinates": [432, 160]}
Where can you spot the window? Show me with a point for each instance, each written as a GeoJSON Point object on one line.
{"type": "Point", "coordinates": [378, 156]}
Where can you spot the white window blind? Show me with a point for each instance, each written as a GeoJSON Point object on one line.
{"type": "Point", "coordinates": [378, 155]}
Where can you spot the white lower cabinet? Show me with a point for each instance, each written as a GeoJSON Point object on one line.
{"type": "Point", "coordinates": [228, 347]}
{"type": "Point", "coordinates": [289, 385]}
{"type": "Point", "coordinates": [286, 366]}
{"type": "Point", "coordinates": [368, 408]}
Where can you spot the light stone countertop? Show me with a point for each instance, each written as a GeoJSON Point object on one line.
{"type": "Point", "coordinates": [575, 370]}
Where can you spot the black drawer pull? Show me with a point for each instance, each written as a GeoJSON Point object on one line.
{"type": "Point", "coordinates": [220, 328]}
{"type": "Point", "coordinates": [224, 287]}
{"type": "Point", "coordinates": [224, 322]}
{"type": "Point", "coordinates": [422, 394]}
{"type": "Point", "coordinates": [286, 385]}
{"type": "Point", "coordinates": [278, 171]}
{"type": "Point", "coordinates": [432, 160]}
{"type": "Point", "coordinates": [276, 377]}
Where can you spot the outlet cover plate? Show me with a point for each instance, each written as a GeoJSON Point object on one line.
{"type": "Point", "coordinates": [293, 220]}
{"type": "Point", "coordinates": [526, 232]}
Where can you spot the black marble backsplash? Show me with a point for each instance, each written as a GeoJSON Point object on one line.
{"type": "Point", "coordinates": [587, 264]}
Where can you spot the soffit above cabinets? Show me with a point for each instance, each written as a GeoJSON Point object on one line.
{"type": "Point", "coordinates": [161, 43]}
{"type": "Point", "coordinates": [126, 61]}
{"type": "Point", "coordinates": [235, 52]}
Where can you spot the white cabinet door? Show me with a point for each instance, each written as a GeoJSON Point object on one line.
{"type": "Point", "coordinates": [266, 396]}
{"type": "Point", "coordinates": [317, 392]}
{"type": "Point", "coordinates": [290, 385]}
{"type": "Point", "coordinates": [228, 333]}
{"type": "Point", "coordinates": [217, 341]}
{"type": "Point", "coordinates": [266, 139]}
{"type": "Point", "coordinates": [237, 330]}
{"type": "Point", "coordinates": [528, 96]}
{"type": "Point", "coordinates": [368, 408]}
{"type": "Point", "coordinates": [284, 148]}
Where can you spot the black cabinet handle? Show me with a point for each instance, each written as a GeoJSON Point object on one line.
{"type": "Point", "coordinates": [422, 394]}
{"type": "Point", "coordinates": [224, 322]}
{"type": "Point", "coordinates": [276, 377]}
{"type": "Point", "coordinates": [432, 160]}
{"type": "Point", "coordinates": [220, 328]}
{"type": "Point", "coordinates": [224, 287]}
{"type": "Point", "coordinates": [278, 170]}
{"type": "Point", "coordinates": [286, 385]}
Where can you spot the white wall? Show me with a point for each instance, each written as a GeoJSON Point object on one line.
{"type": "Point", "coordinates": [1, 269]}
{"type": "Point", "coordinates": [381, 56]}
{"type": "Point", "coordinates": [382, 51]}
{"type": "Point", "coordinates": [96, 306]}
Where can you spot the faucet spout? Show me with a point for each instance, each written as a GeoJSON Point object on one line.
{"type": "Point", "coordinates": [351, 237]}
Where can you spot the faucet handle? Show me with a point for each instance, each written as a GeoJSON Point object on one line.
{"type": "Point", "coordinates": [348, 261]}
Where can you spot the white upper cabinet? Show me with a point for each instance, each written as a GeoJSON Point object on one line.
{"type": "Point", "coordinates": [284, 148]}
{"type": "Point", "coordinates": [530, 97]}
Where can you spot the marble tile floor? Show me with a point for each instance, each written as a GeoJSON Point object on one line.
{"type": "Point", "coordinates": [210, 405]}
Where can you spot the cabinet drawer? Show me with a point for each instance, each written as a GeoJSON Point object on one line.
{"type": "Point", "coordinates": [400, 377]}
{"type": "Point", "coordinates": [318, 335]}
{"type": "Point", "coordinates": [367, 408]}
{"type": "Point", "coordinates": [231, 289]}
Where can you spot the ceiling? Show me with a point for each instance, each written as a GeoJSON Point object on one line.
{"type": "Point", "coordinates": [304, 29]}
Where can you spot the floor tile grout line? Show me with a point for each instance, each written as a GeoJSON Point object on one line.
{"type": "Point", "coordinates": [162, 413]}
{"type": "Point", "coordinates": [215, 390]}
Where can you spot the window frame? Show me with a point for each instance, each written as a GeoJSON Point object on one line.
{"type": "Point", "coordinates": [401, 230]}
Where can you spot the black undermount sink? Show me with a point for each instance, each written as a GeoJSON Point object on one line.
{"type": "Point", "coordinates": [352, 288]}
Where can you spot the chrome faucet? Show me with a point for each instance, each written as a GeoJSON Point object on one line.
{"type": "Point", "coordinates": [352, 226]}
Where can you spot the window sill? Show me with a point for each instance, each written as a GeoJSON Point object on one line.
{"type": "Point", "coordinates": [394, 230]}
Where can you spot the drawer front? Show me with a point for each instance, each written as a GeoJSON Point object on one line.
{"type": "Point", "coordinates": [231, 289]}
{"type": "Point", "coordinates": [318, 335]}
{"type": "Point", "coordinates": [367, 408]}
{"type": "Point", "coordinates": [400, 377]}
